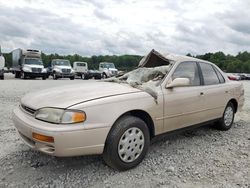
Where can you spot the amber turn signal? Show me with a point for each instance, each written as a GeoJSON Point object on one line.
{"type": "Point", "coordinates": [43, 138]}
{"type": "Point", "coordinates": [78, 117]}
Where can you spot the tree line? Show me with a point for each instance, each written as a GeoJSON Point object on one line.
{"type": "Point", "coordinates": [239, 63]}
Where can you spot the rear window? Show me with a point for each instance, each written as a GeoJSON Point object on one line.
{"type": "Point", "coordinates": [221, 78]}
{"type": "Point", "coordinates": [209, 75]}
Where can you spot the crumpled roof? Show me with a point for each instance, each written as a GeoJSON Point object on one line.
{"type": "Point", "coordinates": [155, 59]}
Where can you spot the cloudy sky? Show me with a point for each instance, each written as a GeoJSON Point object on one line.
{"type": "Point", "coordinates": [94, 27]}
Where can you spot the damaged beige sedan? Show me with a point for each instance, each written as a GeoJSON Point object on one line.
{"type": "Point", "coordinates": [118, 117]}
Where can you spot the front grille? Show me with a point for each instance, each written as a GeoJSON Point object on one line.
{"type": "Point", "coordinates": [27, 109]}
{"type": "Point", "coordinates": [66, 70]}
{"type": "Point", "coordinates": [114, 72]}
{"type": "Point", "coordinates": [36, 70]}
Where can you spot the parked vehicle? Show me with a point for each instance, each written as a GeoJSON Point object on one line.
{"type": "Point", "coordinates": [107, 69]}
{"type": "Point", "coordinates": [2, 64]}
{"type": "Point", "coordinates": [244, 76]}
{"type": "Point", "coordinates": [61, 68]}
{"type": "Point", "coordinates": [28, 63]}
{"type": "Point", "coordinates": [80, 68]}
{"type": "Point", "coordinates": [233, 77]}
{"type": "Point", "coordinates": [119, 118]}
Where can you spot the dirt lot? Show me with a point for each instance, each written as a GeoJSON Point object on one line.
{"type": "Point", "coordinates": [203, 157]}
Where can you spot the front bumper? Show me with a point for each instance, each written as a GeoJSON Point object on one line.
{"type": "Point", "coordinates": [69, 140]}
{"type": "Point", "coordinates": [35, 75]}
{"type": "Point", "coordinates": [65, 75]}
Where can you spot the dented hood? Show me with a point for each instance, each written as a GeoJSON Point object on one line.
{"type": "Point", "coordinates": [63, 97]}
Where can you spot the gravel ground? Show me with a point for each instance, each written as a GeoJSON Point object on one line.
{"type": "Point", "coordinates": [203, 157]}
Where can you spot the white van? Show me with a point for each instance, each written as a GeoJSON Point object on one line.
{"type": "Point", "coordinates": [80, 68]}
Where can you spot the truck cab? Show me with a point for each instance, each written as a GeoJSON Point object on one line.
{"type": "Point", "coordinates": [80, 68]}
{"type": "Point", "coordinates": [107, 69]}
{"type": "Point", "coordinates": [61, 68]}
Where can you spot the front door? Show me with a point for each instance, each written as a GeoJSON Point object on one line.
{"type": "Point", "coordinates": [184, 106]}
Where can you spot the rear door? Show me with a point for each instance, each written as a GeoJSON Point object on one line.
{"type": "Point", "coordinates": [216, 92]}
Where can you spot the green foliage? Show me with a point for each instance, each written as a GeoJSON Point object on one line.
{"type": "Point", "coordinates": [239, 63]}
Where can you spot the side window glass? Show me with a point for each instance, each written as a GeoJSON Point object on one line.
{"type": "Point", "coordinates": [209, 74]}
{"type": "Point", "coordinates": [188, 70]}
{"type": "Point", "coordinates": [221, 78]}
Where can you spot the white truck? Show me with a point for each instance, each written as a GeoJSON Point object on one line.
{"type": "Point", "coordinates": [28, 64]}
{"type": "Point", "coordinates": [2, 64]}
{"type": "Point", "coordinates": [80, 68]}
{"type": "Point", "coordinates": [107, 69]}
{"type": "Point", "coordinates": [61, 68]}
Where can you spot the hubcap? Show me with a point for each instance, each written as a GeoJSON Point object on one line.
{"type": "Point", "coordinates": [131, 144]}
{"type": "Point", "coordinates": [228, 116]}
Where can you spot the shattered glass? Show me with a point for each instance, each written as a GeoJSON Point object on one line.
{"type": "Point", "coordinates": [143, 78]}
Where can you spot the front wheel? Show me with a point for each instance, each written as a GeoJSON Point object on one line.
{"type": "Point", "coordinates": [72, 78]}
{"type": "Point", "coordinates": [127, 143]}
{"type": "Point", "coordinates": [226, 122]}
{"type": "Point", "coordinates": [104, 75]}
{"type": "Point", "coordinates": [23, 75]}
{"type": "Point", "coordinates": [54, 76]}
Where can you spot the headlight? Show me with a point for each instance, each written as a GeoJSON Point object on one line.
{"type": "Point", "coordinates": [58, 70]}
{"type": "Point", "coordinates": [44, 71]}
{"type": "Point", "coordinates": [56, 115]}
{"type": "Point", "coordinates": [26, 69]}
{"type": "Point", "coordinates": [72, 71]}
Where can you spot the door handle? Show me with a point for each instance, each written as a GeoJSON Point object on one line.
{"type": "Point", "coordinates": [226, 91]}
{"type": "Point", "coordinates": [201, 93]}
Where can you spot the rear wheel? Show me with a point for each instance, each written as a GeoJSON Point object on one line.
{"type": "Point", "coordinates": [44, 77]}
{"type": "Point", "coordinates": [83, 76]}
{"type": "Point", "coordinates": [226, 122]}
{"type": "Point", "coordinates": [17, 74]}
{"type": "Point", "coordinates": [127, 143]}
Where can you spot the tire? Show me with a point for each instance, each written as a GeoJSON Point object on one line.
{"type": "Point", "coordinates": [17, 74]}
{"type": "Point", "coordinates": [104, 76]}
{"type": "Point", "coordinates": [113, 151]}
{"type": "Point", "coordinates": [44, 77]}
{"type": "Point", "coordinates": [72, 78]}
{"type": "Point", "coordinates": [83, 76]}
{"type": "Point", "coordinates": [54, 76]}
{"type": "Point", "coordinates": [22, 75]}
{"type": "Point", "coordinates": [226, 122]}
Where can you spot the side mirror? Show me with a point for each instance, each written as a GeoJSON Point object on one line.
{"type": "Point", "coordinates": [178, 82]}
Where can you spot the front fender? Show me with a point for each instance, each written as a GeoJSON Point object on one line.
{"type": "Point", "coordinates": [105, 111]}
